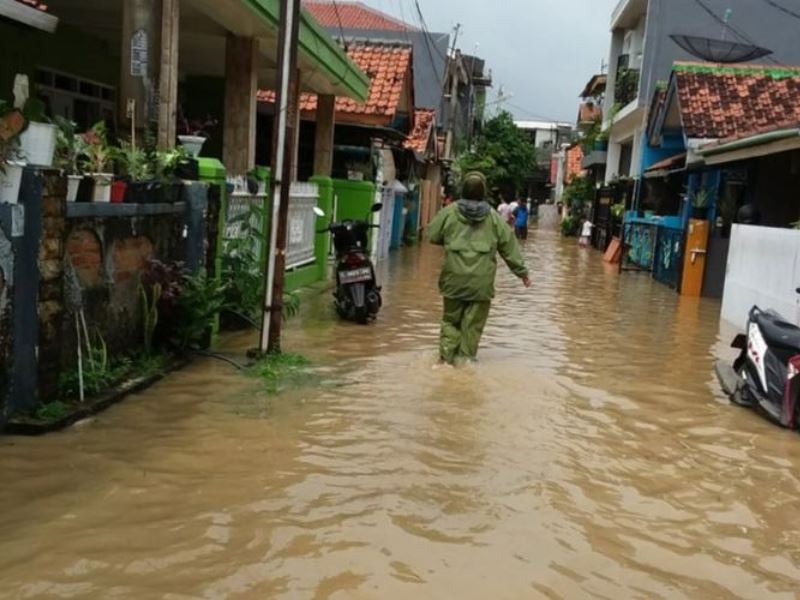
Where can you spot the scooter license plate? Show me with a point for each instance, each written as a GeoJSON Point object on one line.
{"type": "Point", "coordinates": [355, 276]}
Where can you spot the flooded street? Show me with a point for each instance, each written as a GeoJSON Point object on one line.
{"type": "Point", "coordinates": [589, 454]}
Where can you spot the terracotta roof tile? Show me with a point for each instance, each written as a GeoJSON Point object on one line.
{"type": "Point", "coordinates": [672, 162]}
{"type": "Point", "coordinates": [353, 15]}
{"type": "Point", "coordinates": [386, 63]}
{"type": "Point", "coordinates": [420, 136]}
{"type": "Point", "coordinates": [728, 101]}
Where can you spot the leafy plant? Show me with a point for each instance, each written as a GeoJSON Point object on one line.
{"type": "Point", "coordinates": [503, 153]}
{"type": "Point", "coordinates": [242, 264]}
{"type": "Point", "coordinates": [243, 269]}
{"type": "Point", "coordinates": [98, 153]}
{"type": "Point", "coordinates": [701, 198]}
{"type": "Point", "coordinates": [52, 411]}
{"type": "Point", "coordinates": [69, 146]}
{"type": "Point", "coordinates": [149, 313]}
{"type": "Point", "coordinates": [279, 368]}
{"type": "Point", "coordinates": [132, 162]}
{"type": "Point", "coordinates": [570, 226]}
{"type": "Point", "coordinates": [578, 194]}
{"type": "Point", "coordinates": [618, 211]}
{"type": "Point", "coordinates": [291, 305]}
{"type": "Point", "coordinates": [12, 124]}
{"type": "Point", "coordinates": [200, 301]}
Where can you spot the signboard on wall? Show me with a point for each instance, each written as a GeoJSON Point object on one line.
{"type": "Point", "coordinates": [139, 54]}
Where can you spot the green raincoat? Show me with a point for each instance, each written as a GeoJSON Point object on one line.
{"type": "Point", "coordinates": [471, 243]}
{"type": "Point", "coordinates": [472, 235]}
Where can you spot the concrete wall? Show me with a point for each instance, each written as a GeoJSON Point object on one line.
{"type": "Point", "coordinates": [549, 217]}
{"type": "Point", "coordinates": [763, 269]}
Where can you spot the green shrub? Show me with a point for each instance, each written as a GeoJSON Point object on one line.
{"type": "Point", "coordinates": [570, 226]}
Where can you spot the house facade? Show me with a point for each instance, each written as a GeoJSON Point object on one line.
{"type": "Point", "coordinates": [642, 53]}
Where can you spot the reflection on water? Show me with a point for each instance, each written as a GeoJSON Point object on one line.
{"type": "Point", "coordinates": [589, 454]}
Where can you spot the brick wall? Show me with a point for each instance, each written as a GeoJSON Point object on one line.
{"type": "Point", "coordinates": [51, 283]}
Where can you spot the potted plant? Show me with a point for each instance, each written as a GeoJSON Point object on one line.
{"type": "Point", "coordinates": [135, 178]}
{"type": "Point", "coordinates": [194, 133]}
{"type": "Point", "coordinates": [12, 123]}
{"type": "Point", "coordinates": [38, 141]}
{"type": "Point", "coordinates": [700, 199]}
{"type": "Point", "coordinates": [166, 166]}
{"type": "Point", "coordinates": [69, 147]}
{"type": "Point", "coordinates": [98, 160]}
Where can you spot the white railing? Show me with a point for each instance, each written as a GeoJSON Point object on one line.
{"type": "Point", "coordinates": [301, 227]}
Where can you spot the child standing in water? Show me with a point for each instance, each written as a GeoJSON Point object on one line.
{"type": "Point", "coordinates": [521, 220]}
{"type": "Point", "coordinates": [586, 233]}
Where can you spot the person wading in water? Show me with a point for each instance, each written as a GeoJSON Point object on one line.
{"type": "Point", "coordinates": [472, 235]}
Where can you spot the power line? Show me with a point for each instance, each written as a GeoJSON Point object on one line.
{"type": "Point", "coordinates": [339, 19]}
{"type": "Point", "coordinates": [742, 36]}
{"type": "Point", "coordinates": [783, 9]}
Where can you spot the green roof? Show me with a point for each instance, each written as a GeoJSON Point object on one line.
{"type": "Point", "coordinates": [317, 46]}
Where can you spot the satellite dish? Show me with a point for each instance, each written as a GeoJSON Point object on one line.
{"type": "Point", "coordinates": [719, 51]}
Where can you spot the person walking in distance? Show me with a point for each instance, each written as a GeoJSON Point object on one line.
{"type": "Point", "coordinates": [521, 220]}
{"type": "Point", "coordinates": [505, 210]}
{"type": "Point", "coordinates": [472, 235]}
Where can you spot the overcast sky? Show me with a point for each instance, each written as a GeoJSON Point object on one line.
{"type": "Point", "coordinates": [541, 51]}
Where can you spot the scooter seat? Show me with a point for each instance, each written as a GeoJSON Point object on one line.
{"type": "Point", "coordinates": [777, 331]}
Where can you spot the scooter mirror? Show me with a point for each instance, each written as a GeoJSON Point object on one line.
{"type": "Point", "coordinates": [376, 207]}
{"type": "Point", "coordinates": [319, 212]}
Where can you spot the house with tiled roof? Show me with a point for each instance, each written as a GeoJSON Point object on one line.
{"type": "Point", "coordinates": [390, 99]}
{"type": "Point", "coordinates": [356, 20]}
{"type": "Point", "coordinates": [729, 134]}
{"type": "Point", "coordinates": [643, 48]}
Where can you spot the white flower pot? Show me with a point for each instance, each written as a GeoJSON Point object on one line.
{"type": "Point", "coordinates": [102, 187]}
{"type": "Point", "coordinates": [10, 182]}
{"type": "Point", "coordinates": [192, 143]}
{"type": "Point", "coordinates": [37, 144]}
{"type": "Point", "coordinates": [73, 183]}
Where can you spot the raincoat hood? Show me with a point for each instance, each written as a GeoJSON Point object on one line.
{"type": "Point", "coordinates": [474, 211]}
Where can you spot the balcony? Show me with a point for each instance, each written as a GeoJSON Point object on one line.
{"type": "Point", "coordinates": [627, 12]}
{"type": "Point", "coordinates": [626, 88]}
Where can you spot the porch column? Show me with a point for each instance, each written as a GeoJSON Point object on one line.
{"type": "Point", "coordinates": [323, 142]}
{"type": "Point", "coordinates": [141, 48]}
{"type": "Point", "coordinates": [168, 78]}
{"type": "Point", "coordinates": [241, 85]}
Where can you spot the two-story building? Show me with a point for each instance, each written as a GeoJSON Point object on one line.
{"type": "Point", "coordinates": [642, 53]}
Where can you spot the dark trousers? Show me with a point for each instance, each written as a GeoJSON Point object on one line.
{"type": "Point", "coordinates": [521, 232]}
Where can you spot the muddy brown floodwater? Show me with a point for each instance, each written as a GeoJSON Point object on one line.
{"type": "Point", "coordinates": [588, 455]}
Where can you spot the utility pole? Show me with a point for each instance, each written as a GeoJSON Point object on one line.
{"type": "Point", "coordinates": [283, 144]}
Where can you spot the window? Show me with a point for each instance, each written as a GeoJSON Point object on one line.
{"type": "Point", "coordinates": [75, 98]}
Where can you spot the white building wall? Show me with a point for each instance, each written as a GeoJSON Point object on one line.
{"type": "Point", "coordinates": [763, 270]}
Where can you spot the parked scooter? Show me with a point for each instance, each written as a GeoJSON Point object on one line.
{"type": "Point", "coordinates": [765, 375]}
{"type": "Point", "coordinates": [357, 296]}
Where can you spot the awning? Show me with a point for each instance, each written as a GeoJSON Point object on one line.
{"type": "Point", "coordinates": [666, 167]}
{"type": "Point", "coordinates": [325, 67]}
{"type": "Point", "coordinates": [781, 139]}
{"type": "Point", "coordinates": [32, 14]}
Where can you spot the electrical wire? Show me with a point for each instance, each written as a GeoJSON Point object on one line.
{"type": "Point", "coordinates": [339, 19]}
{"type": "Point", "coordinates": [742, 36]}
{"type": "Point", "coordinates": [783, 9]}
